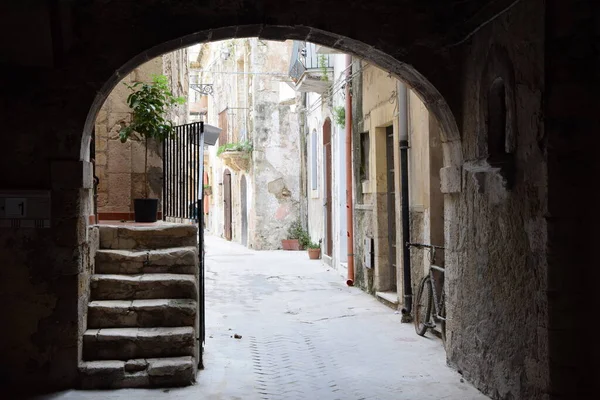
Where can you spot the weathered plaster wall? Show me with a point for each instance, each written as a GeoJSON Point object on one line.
{"type": "Point", "coordinates": [320, 108]}
{"type": "Point", "coordinates": [379, 109]}
{"type": "Point", "coordinates": [256, 111]}
{"type": "Point", "coordinates": [276, 155]}
{"type": "Point", "coordinates": [120, 166]}
{"type": "Point", "coordinates": [496, 268]}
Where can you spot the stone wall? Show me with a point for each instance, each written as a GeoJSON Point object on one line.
{"type": "Point", "coordinates": [496, 269]}
{"type": "Point", "coordinates": [321, 108]}
{"type": "Point", "coordinates": [276, 155]}
{"type": "Point", "coordinates": [254, 111]}
{"type": "Point", "coordinates": [120, 166]}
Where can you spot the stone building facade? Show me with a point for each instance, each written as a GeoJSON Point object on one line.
{"type": "Point", "coordinates": [120, 166]}
{"type": "Point", "coordinates": [521, 282]}
{"type": "Point", "coordinates": [325, 151]}
{"type": "Point", "coordinates": [254, 194]}
{"type": "Point", "coordinates": [378, 121]}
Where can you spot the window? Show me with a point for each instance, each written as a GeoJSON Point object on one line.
{"type": "Point", "coordinates": [364, 156]}
{"type": "Point", "coordinates": [313, 155]}
{"type": "Point", "coordinates": [223, 137]}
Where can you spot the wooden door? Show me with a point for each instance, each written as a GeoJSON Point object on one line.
{"type": "Point", "coordinates": [328, 191]}
{"type": "Point", "coordinates": [244, 206]}
{"type": "Point", "coordinates": [391, 205]}
{"type": "Point", "coordinates": [227, 204]}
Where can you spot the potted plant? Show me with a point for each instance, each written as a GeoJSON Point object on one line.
{"type": "Point", "coordinates": [297, 237]}
{"type": "Point", "coordinates": [207, 190]}
{"type": "Point", "coordinates": [236, 155]}
{"type": "Point", "coordinates": [314, 250]}
{"type": "Point", "coordinates": [150, 103]}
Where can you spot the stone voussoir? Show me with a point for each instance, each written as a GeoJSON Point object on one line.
{"type": "Point", "coordinates": [180, 260]}
{"type": "Point", "coordinates": [141, 313]}
{"type": "Point", "coordinates": [144, 286]}
{"type": "Point", "coordinates": [131, 343]}
{"type": "Point", "coordinates": [159, 236]}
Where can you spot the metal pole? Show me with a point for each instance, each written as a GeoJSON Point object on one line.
{"type": "Point", "coordinates": [403, 138]}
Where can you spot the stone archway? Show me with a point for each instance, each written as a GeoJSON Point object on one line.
{"type": "Point", "coordinates": [436, 50]}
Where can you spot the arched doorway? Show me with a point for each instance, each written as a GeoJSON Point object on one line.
{"type": "Point", "coordinates": [244, 209]}
{"type": "Point", "coordinates": [227, 209]}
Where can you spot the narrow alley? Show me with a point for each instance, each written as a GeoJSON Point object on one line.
{"type": "Point", "coordinates": [304, 335]}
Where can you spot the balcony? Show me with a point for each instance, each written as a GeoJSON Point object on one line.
{"type": "Point", "coordinates": [310, 71]}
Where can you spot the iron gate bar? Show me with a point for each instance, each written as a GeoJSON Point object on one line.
{"type": "Point", "coordinates": [183, 163]}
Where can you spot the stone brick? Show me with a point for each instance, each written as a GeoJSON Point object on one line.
{"type": "Point", "coordinates": [119, 156]}
{"type": "Point", "coordinates": [450, 179]}
{"type": "Point", "coordinates": [100, 158]}
{"type": "Point", "coordinates": [138, 149]}
{"type": "Point", "coordinates": [119, 195]}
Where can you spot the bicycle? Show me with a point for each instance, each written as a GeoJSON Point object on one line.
{"type": "Point", "coordinates": [427, 295]}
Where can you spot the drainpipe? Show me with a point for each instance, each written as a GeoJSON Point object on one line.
{"type": "Point", "coordinates": [349, 205]}
{"type": "Point", "coordinates": [403, 138]}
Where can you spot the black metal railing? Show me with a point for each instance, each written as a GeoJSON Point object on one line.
{"type": "Point", "coordinates": [183, 169]}
{"type": "Point", "coordinates": [305, 57]}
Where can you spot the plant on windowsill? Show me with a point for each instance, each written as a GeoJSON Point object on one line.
{"type": "Point", "coordinates": [150, 103]}
{"type": "Point", "coordinates": [339, 116]}
{"type": "Point", "coordinates": [236, 155]}
{"type": "Point", "coordinates": [297, 237]}
{"type": "Point", "coordinates": [314, 250]}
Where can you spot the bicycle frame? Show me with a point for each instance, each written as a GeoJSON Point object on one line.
{"type": "Point", "coordinates": [437, 302]}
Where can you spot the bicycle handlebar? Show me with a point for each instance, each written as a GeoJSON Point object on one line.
{"type": "Point", "coordinates": [421, 245]}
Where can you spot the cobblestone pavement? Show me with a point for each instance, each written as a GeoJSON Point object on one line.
{"type": "Point", "coordinates": [304, 335]}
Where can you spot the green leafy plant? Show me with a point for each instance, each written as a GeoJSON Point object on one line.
{"type": "Point", "coordinates": [339, 115]}
{"type": "Point", "coordinates": [245, 146]}
{"type": "Point", "coordinates": [322, 60]}
{"type": "Point", "coordinates": [296, 231]}
{"type": "Point", "coordinates": [206, 186]}
{"type": "Point", "coordinates": [313, 245]}
{"type": "Point", "coordinates": [150, 103]}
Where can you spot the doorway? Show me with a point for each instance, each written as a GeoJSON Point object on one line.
{"type": "Point", "coordinates": [244, 207]}
{"type": "Point", "coordinates": [328, 181]}
{"type": "Point", "coordinates": [227, 204]}
{"type": "Point", "coordinates": [391, 205]}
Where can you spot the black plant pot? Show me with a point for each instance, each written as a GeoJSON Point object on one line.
{"type": "Point", "coordinates": [146, 210]}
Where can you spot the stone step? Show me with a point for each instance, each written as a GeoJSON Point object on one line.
{"type": "Point", "coordinates": [144, 286]}
{"type": "Point", "coordinates": [159, 236]}
{"type": "Point", "coordinates": [138, 373]}
{"type": "Point", "coordinates": [390, 299]}
{"type": "Point", "coordinates": [180, 260]}
{"type": "Point", "coordinates": [141, 313]}
{"type": "Point", "coordinates": [128, 343]}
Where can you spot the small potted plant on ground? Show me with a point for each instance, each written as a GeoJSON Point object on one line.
{"type": "Point", "coordinates": [314, 250]}
{"type": "Point", "coordinates": [297, 237]}
{"type": "Point", "coordinates": [150, 103]}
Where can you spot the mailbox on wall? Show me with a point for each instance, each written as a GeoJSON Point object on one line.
{"type": "Point", "coordinates": [25, 209]}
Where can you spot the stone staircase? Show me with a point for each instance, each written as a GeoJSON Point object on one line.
{"type": "Point", "coordinates": [141, 323]}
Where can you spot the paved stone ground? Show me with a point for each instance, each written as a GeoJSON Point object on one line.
{"type": "Point", "coordinates": [305, 335]}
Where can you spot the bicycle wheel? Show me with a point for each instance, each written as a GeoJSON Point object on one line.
{"type": "Point", "coordinates": [422, 306]}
